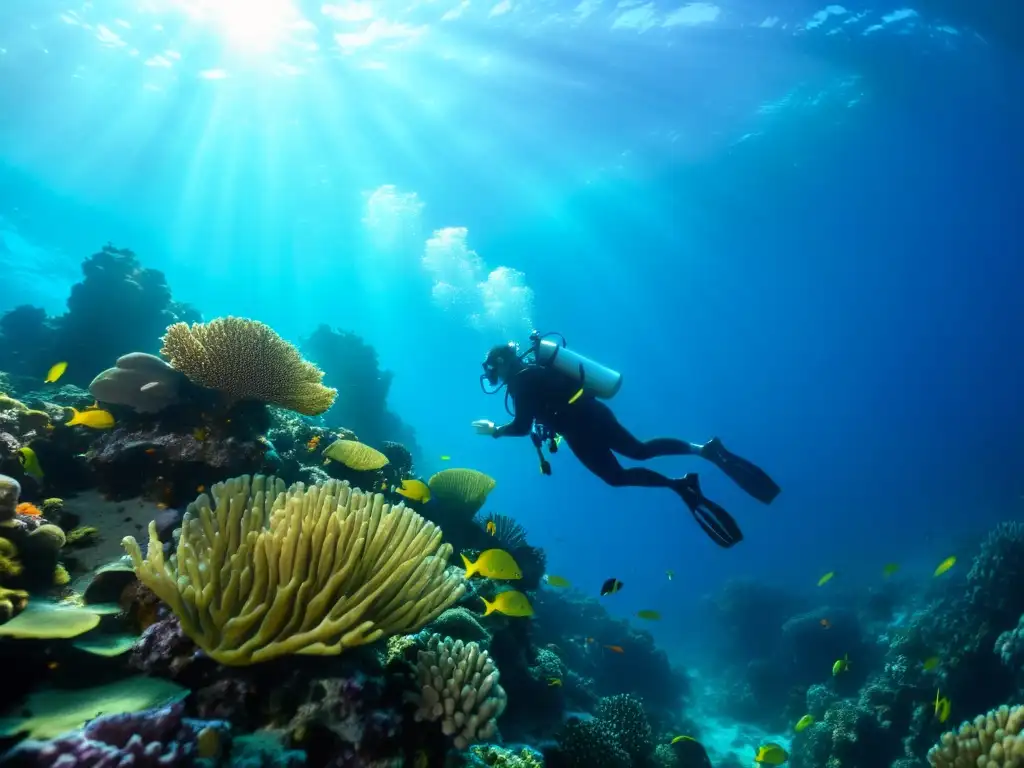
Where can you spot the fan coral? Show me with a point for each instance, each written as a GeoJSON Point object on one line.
{"type": "Point", "coordinates": [993, 740]}
{"type": "Point", "coordinates": [266, 573]}
{"type": "Point", "coordinates": [247, 360]}
{"type": "Point", "coordinates": [459, 687]}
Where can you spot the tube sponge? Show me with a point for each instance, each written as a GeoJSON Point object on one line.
{"type": "Point", "coordinates": [459, 686]}
{"type": "Point", "coordinates": [247, 359]}
{"type": "Point", "coordinates": [993, 740]}
{"type": "Point", "coordinates": [265, 572]}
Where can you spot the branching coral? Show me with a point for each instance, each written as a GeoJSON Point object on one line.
{"type": "Point", "coordinates": [591, 744]}
{"type": "Point", "coordinates": [248, 360]}
{"type": "Point", "coordinates": [625, 718]}
{"type": "Point", "coordinates": [266, 573]}
{"type": "Point", "coordinates": [459, 686]}
{"type": "Point", "coordinates": [993, 740]}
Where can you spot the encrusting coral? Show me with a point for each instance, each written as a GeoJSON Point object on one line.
{"type": "Point", "coordinates": [247, 360]}
{"type": "Point", "coordinates": [459, 686]}
{"type": "Point", "coordinates": [993, 740]}
{"type": "Point", "coordinates": [267, 572]}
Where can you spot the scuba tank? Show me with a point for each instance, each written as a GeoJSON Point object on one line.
{"type": "Point", "coordinates": [595, 379]}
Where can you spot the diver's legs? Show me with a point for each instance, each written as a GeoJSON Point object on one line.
{"type": "Point", "coordinates": [622, 441]}
{"type": "Point", "coordinates": [747, 475]}
{"type": "Point", "coordinates": [712, 518]}
{"type": "Point", "coordinates": [600, 460]}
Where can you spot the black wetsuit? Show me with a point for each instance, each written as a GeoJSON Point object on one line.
{"type": "Point", "coordinates": [588, 426]}
{"type": "Point", "coordinates": [552, 400]}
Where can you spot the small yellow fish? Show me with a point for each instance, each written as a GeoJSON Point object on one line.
{"type": "Point", "coordinates": [803, 722]}
{"type": "Point", "coordinates": [554, 682]}
{"type": "Point", "coordinates": [615, 648]}
{"type": "Point", "coordinates": [55, 372]}
{"type": "Point", "coordinates": [670, 574]}
{"type": "Point", "coordinates": [826, 578]}
{"type": "Point", "coordinates": [493, 564]}
{"type": "Point", "coordinates": [942, 707]}
{"type": "Point", "coordinates": [445, 457]}
{"type": "Point", "coordinates": [94, 419]}
{"type": "Point", "coordinates": [771, 754]}
{"type": "Point", "coordinates": [510, 603]}
{"type": "Point", "coordinates": [30, 463]}
{"type": "Point", "coordinates": [557, 581]}
{"type": "Point", "coordinates": [931, 663]}
{"type": "Point", "coordinates": [491, 527]}
{"type": "Point", "coordinates": [890, 569]}
{"type": "Point", "coordinates": [415, 490]}
{"type": "Point", "coordinates": [200, 433]}
{"type": "Point", "coordinates": [314, 441]}
{"type": "Point", "coordinates": [945, 565]}
{"type": "Point", "coordinates": [842, 665]}
{"type": "Point", "coordinates": [649, 615]}
{"type": "Point", "coordinates": [677, 739]}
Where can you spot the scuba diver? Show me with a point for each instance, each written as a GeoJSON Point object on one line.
{"type": "Point", "coordinates": [556, 393]}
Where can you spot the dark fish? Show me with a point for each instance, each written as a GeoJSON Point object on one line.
{"type": "Point", "coordinates": [610, 587]}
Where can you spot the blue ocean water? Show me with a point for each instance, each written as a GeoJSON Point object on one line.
{"type": "Point", "coordinates": [790, 225]}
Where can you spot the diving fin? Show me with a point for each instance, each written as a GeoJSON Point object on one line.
{"type": "Point", "coordinates": [713, 520]}
{"type": "Point", "coordinates": [748, 476]}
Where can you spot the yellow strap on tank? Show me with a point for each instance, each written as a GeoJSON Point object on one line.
{"type": "Point", "coordinates": [576, 397]}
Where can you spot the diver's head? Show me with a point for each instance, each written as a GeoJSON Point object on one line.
{"type": "Point", "coordinates": [501, 363]}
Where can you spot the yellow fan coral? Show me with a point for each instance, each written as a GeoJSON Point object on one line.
{"type": "Point", "coordinates": [267, 572]}
{"type": "Point", "coordinates": [992, 740]}
{"type": "Point", "coordinates": [247, 359]}
{"type": "Point", "coordinates": [465, 490]}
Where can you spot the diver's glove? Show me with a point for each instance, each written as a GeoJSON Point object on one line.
{"type": "Point", "coordinates": [484, 427]}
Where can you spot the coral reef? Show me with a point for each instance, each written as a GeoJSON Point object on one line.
{"type": "Point", "coordinates": [351, 570]}
{"type": "Point", "coordinates": [249, 361]}
{"type": "Point", "coordinates": [148, 739]}
{"type": "Point", "coordinates": [993, 740]}
{"type": "Point", "coordinates": [118, 306]}
{"type": "Point", "coordinates": [459, 686]}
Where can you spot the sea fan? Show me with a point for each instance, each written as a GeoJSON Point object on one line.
{"type": "Point", "coordinates": [508, 534]}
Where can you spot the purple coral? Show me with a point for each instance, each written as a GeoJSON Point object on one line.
{"type": "Point", "coordinates": [156, 738]}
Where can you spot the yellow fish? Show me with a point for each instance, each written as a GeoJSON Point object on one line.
{"type": "Point", "coordinates": [649, 615]}
{"type": "Point", "coordinates": [493, 564]}
{"type": "Point", "coordinates": [94, 419]}
{"type": "Point", "coordinates": [931, 663]}
{"type": "Point", "coordinates": [842, 665]}
{"type": "Point", "coordinates": [30, 463]}
{"type": "Point", "coordinates": [945, 565]}
{"type": "Point", "coordinates": [890, 569]}
{"type": "Point", "coordinates": [510, 603]}
{"type": "Point", "coordinates": [942, 707]}
{"type": "Point", "coordinates": [416, 490]}
{"type": "Point", "coordinates": [554, 682]}
{"type": "Point", "coordinates": [491, 527]}
{"type": "Point", "coordinates": [826, 578]}
{"type": "Point", "coordinates": [55, 372]}
{"type": "Point", "coordinates": [771, 754]}
{"type": "Point", "coordinates": [803, 722]}
{"type": "Point", "coordinates": [677, 739]}
{"type": "Point", "coordinates": [446, 458]}
{"type": "Point", "coordinates": [557, 581]}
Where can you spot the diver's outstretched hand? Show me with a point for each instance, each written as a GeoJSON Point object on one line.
{"type": "Point", "coordinates": [484, 427]}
